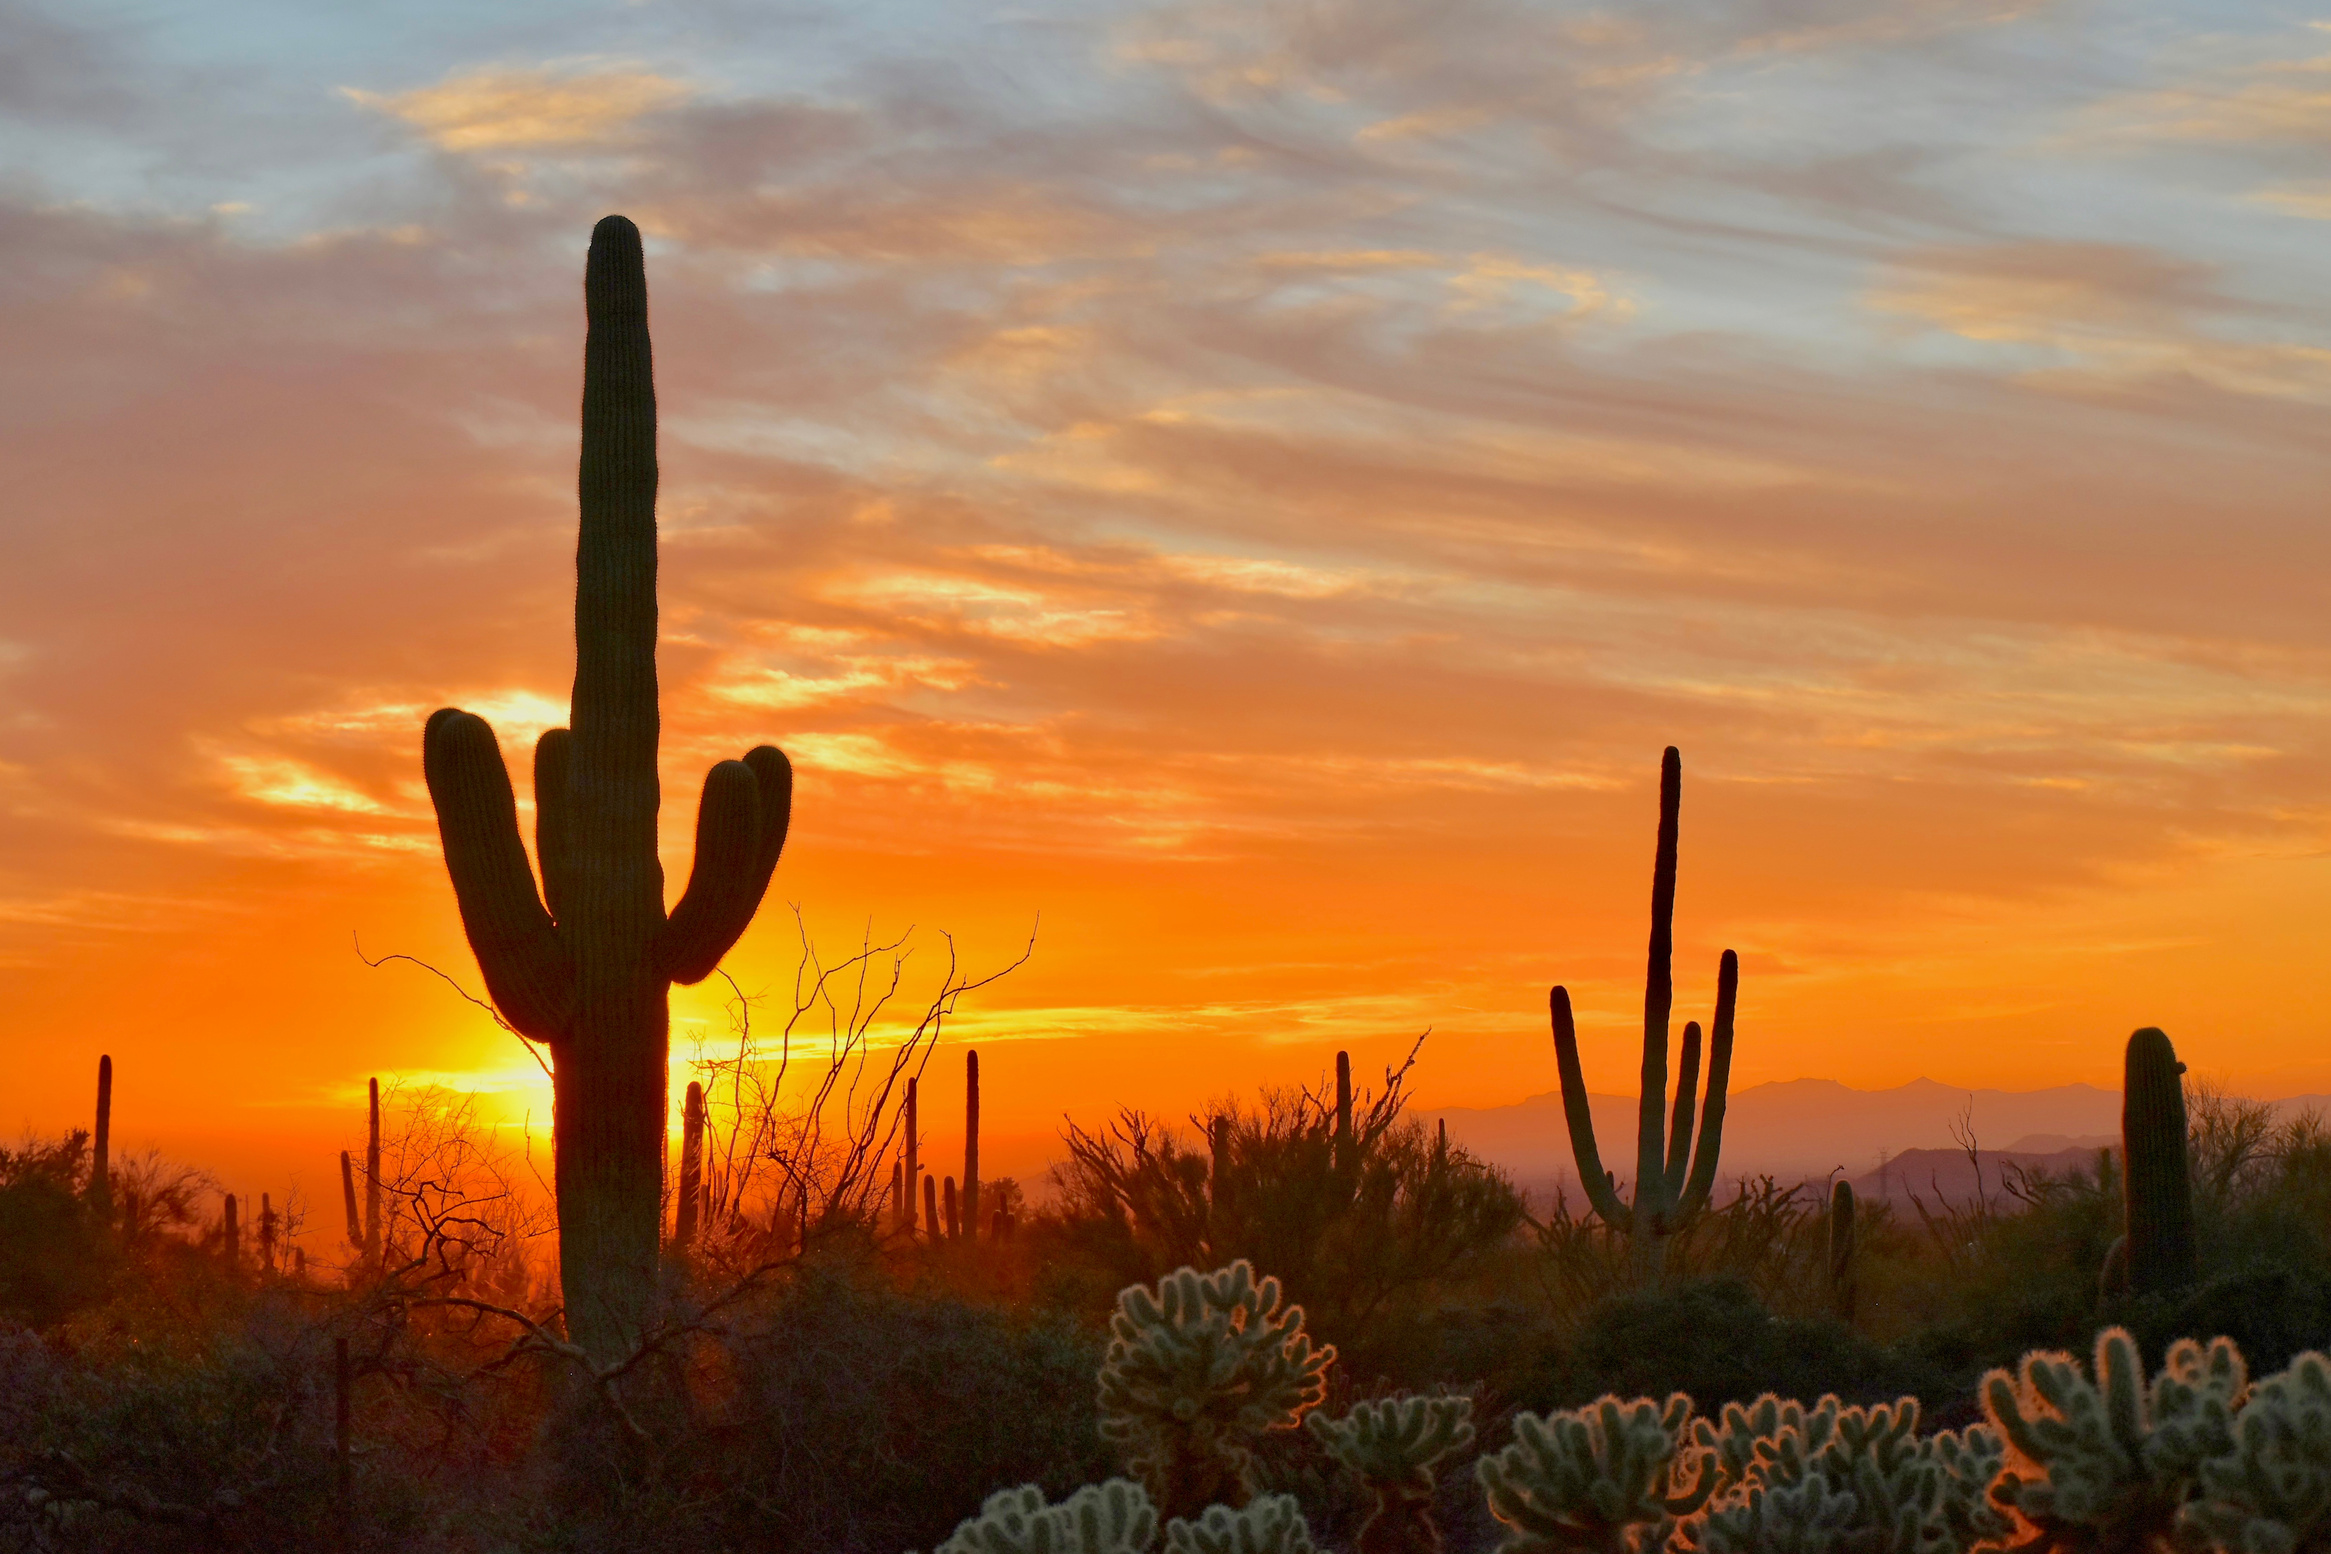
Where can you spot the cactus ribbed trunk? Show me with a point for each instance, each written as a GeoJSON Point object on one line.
{"type": "Point", "coordinates": [914, 1161]}
{"type": "Point", "coordinates": [691, 1167]}
{"type": "Point", "coordinates": [372, 1178]}
{"type": "Point", "coordinates": [931, 1205]}
{"type": "Point", "coordinates": [1343, 1111]}
{"type": "Point", "coordinates": [971, 1146]}
{"type": "Point", "coordinates": [2160, 1186]}
{"type": "Point", "coordinates": [586, 965]}
{"type": "Point", "coordinates": [348, 1201]}
{"type": "Point", "coordinates": [101, 1142]}
{"type": "Point", "coordinates": [610, 1075]}
{"type": "Point", "coordinates": [1842, 1287]}
{"type": "Point", "coordinates": [1674, 1176]}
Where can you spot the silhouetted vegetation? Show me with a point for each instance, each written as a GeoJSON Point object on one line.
{"type": "Point", "coordinates": [870, 1386]}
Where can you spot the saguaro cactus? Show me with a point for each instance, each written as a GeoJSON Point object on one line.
{"type": "Point", "coordinates": [914, 1161]}
{"type": "Point", "coordinates": [101, 1142]}
{"type": "Point", "coordinates": [1343, 1111]}
{"type": "Point", "coordinates": [691, 1167]}
{"type": "Point", "coordinates": [1841, 1249]}
{"type": "Point", "coordinates": [1673, 1178]}
{"type": "Point", "coordinates": [2160, 1187]}
{"type": "Point", "coordinates": [348, 1199]}
{"type": "Point", "coordinates": [931, 1204]}
{"type": "Point", "coordinates": [971, 1146]}
{"type": "Point", "coordinates": [586, 965]}
{"type": "Point", "coordinates": [372, 1175]}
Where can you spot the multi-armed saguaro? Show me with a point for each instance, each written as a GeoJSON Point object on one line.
{"type": "Point", "coordinates": [586, 966]}
{"type": "Point", "coordinates": [1672, 1178]}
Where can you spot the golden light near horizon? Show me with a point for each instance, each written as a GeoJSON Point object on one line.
{"type": "Point", "coordinates": [1253, 497]}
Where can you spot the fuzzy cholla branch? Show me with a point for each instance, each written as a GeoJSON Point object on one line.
{"type": "Point", "coordinates": [1392, 1446]}
{"type": "Point", "coordinates": [1837, 1480]}
{"type": "Point", "coordinates": [2102, 1464]}
{"type": "Point", "coordinates": [1600, 1480]}
{"type": "Point", "coordinates": [1272, 1524]}
{"type": "Point", "coordinates": [1197, 1369]}
{"type": "Point", "coordinates": [1111, 1518]}
{"type": "Point", "coordinates": [2273, 1491]}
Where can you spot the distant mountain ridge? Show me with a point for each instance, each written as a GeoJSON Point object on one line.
{"type": "Point", "coordinates": [1798, 1128]}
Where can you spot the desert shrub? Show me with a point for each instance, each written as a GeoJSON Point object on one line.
{"type": "Point", "coordinates": [154, 1426]}
{"type": "Point", "coordinates": [55, 1255]}
{"type": "Point", "coordinates": [848, 1416]}
{"type": "Point", "coordinates": [1712, 1340]}
{"type": "Point", "coordinates": [1770, 1238]}
{"type": "Point", "coordinates": [1370, 1232]}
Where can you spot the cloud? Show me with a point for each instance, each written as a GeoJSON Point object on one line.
{"type": "Point", "coordinates": [2266, 101]}
{"type": "Point", "coordinates": [529, 109]}
{"type": "Point", "coordinates": [2119, 314]}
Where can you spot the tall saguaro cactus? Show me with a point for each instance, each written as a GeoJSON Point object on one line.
{"type": "Point", "coordinates": [2160, 1184]}
{"type": "Point", "coordinates": [586, 965]}
{"type": "Point", "coordinates": [1673, 1178]}
{"type": "Point", "coordinates": [372, 1173]}
{"type": "Point", "coordinates": [101, 1142]}
{"type": "Point", "coordinates": [971, 1146]}
{"type": "Point", "coordinates": [691, 1167]}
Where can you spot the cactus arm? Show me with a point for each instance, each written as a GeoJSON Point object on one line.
{"type": "Point", "coordinates": [1679, 1128]}
{"type": "Point", "coordinates": [1658, 1001]}
{"type": "Point", "coordinates": [713, 910]}
{"type": "Point", "coordinates": [1580, 1116]}
{"type": "Point", "coordinates": [551, 756]}
{"type": "Point", "coordinates": [526, 968]}
{"type": "Point", "coordinates": [775, 775]}
{"type": "Point", "coordinates": [1711, 1144]}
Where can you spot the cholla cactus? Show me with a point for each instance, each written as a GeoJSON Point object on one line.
{"type": "Point", "coordinates": [2273, 1490]}
{"type": "Point", "coordinates": [1605, 1478]}
{"type": "Point", "coordinates": [1111, 1518]}
{"type": "Point", "coordinates": [2102, 1464]}
{"type": "Point", "coordinates": [1837, 1480]}
{"type": "Point", "coordinates": [1272, 1524]}
{"type": "Point", "coordinates": [1392, 1447]}
{"type": "Point", "coordinates": [1197, 1370]}
{"type": "Point", "coordinates": [1806, 1518]}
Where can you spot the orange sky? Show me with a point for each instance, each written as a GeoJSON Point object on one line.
{"type": "Point", "coordinates": [1255, 489]}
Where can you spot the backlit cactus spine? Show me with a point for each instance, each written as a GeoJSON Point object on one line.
{"type": "Point", "coordinates": [2160, 1186]}
{"type": "Point", "coordinates": [586, 964]}
{"type": "Point", "coordinates": [1672, 1178]}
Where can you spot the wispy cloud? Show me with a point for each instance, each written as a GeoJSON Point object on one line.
{"type": "Point", "coordinates": [529, 109]}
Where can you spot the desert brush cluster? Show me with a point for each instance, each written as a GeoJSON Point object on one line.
{"type": "Point", "coordinates": [1301, 1320]}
